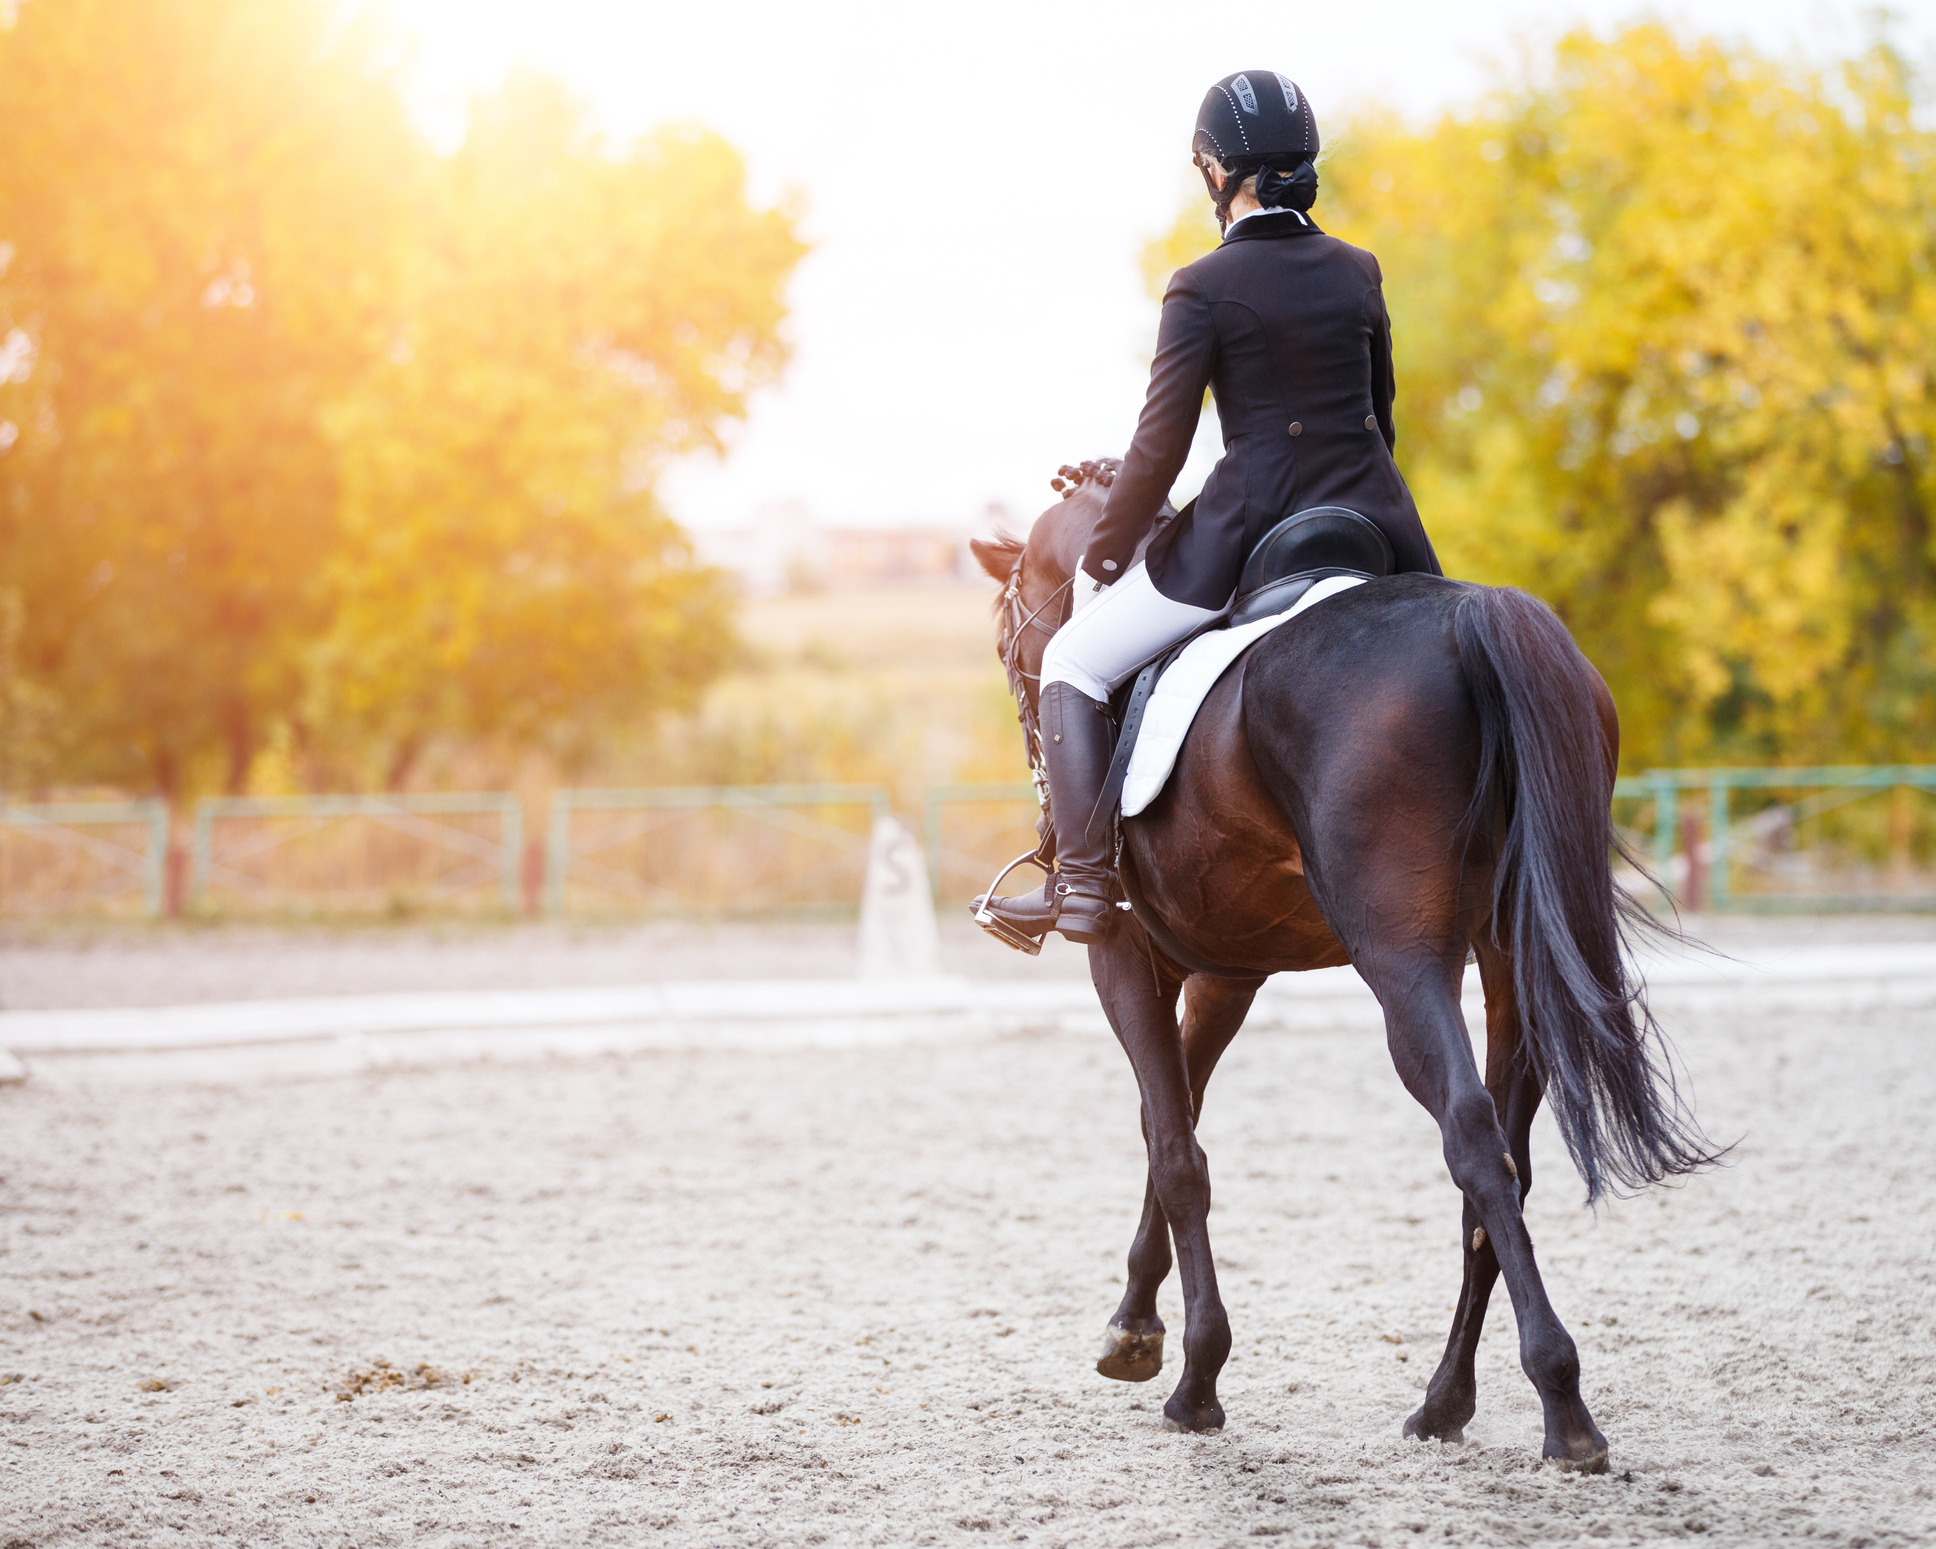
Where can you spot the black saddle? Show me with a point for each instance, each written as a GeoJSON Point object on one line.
{"type": "Point", "coordinates": [1302, 550]}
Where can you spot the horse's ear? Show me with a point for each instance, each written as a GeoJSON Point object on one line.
{"type": "Point", "coordinates": [996, 555]}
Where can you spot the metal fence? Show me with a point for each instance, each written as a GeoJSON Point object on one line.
{"type": "Point", "coordinates": [357, 853]}
{"type": "Point", "coordinates": [1802, 840]}
{"type": "Point", "coordinates": [53, 860]}
{"type": "Point", "coordinates": [1760, 840]}
{"type": "Point", "coordinates": [971, 829]}
{"type": "Point", "coordinates": [714, 851]}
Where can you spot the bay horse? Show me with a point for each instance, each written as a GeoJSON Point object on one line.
{"type": "Point", "coordinates": [1411, 770]}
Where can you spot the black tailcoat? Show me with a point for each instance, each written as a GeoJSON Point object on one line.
{"type": "Point", "coordinates": [1287, 326]}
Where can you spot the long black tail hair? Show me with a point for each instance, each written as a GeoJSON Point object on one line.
{"type": "Point", "coordinates": [1544, 796]}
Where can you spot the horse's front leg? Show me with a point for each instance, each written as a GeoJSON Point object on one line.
{"type": "Point", "coordinates": [1452, 1395]}
{"type": "Point", "coordinates": [1132, 1347]}
{"type": "Point", "coordinates": [1142, 1010]}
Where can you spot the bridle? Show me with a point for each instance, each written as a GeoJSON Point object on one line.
{"type": "Point", "coordinates": [1017, 619]}
{"type": "Point", "coordinates": [1015, 624]}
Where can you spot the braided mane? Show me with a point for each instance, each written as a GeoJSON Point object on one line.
{"type": "Point", "coordinates": [1070, 477]}
{"type": "Point", "coordinates": [998, 556]}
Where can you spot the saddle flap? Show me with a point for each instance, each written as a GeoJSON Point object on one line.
{"type": "Point", "coordinates": [1130, 725]}
{"type": "Point", "coordinates": [1171, 704]}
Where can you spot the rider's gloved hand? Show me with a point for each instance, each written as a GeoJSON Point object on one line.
{"type": "Point", "coordinates": [1084, 590]}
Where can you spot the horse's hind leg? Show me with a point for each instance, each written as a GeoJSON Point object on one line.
{"type": "Point", "coordinates": [1452, 1394]}
{"type": "Point", "coordinates": [1428, 1042]}
{"type": "Point", "coordinates": [1132, 1347]}
{"type": "Point", "coordinates": [1143, 1013]}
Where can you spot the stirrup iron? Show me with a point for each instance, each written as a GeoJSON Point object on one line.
{"type": "Point", "coordinates": [999, 928]}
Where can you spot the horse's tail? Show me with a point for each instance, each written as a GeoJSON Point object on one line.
{"type": "Point", "coordinates": [1544, 797]}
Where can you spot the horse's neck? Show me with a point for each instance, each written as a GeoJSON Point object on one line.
{"type": "Point", "coordinates": [1062, 547]}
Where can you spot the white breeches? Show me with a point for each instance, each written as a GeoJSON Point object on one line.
{"type": "Point", "coordinates": [1123, 628]}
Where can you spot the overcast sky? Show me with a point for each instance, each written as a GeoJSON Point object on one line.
{"type": "Point", "coordinates": [979, 181]}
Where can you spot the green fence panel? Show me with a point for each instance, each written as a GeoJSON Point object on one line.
{"type": "Point", "coordinates": [1726, 846]}
{"type": "Point", "coordinates": [943, 860]}
{"type": "Point", "coordinates": [1737, 867]}
{"type": "Point", "coordinates": [410, 814]}
{"type": "Point", "coordinates": [776, 806]}
{"type": "Point", "coordinates": [64, 825]}
{"type": "Point", "coordinates": [1729, 838]}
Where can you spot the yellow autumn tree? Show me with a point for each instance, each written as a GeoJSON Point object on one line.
{"type": "Point", "coordinates": [574, 314]}
{"type": "Point", "coordinates": [1664, 310]}
{"type": "Point", "coordinates": [200, 216]}
{"type": "Point", "coordinates": [310, 434]}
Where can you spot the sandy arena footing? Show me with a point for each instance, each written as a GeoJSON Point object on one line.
{"type": "Point", "coordinates": [770, 1295]}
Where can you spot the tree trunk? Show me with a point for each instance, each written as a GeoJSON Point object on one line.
{"type": "Point", "coordinates": [402, 761]}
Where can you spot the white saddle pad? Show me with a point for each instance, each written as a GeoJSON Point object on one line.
{"type": "Point", "coordinates": [1179, 692]}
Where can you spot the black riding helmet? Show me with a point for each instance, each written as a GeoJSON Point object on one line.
{"type": "Point", "coordinates": [1258, 122]}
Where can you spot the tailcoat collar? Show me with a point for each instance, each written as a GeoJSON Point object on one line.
{"type": "Point", "coordinates": [1272, 223]}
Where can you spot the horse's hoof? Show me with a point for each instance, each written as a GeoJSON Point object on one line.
{"type": "Point", "coordinates": [1592, 1463]}
{"type": "Point", "coordinates": [1129, 1355]}
{"type": "Point", "coordinates": [1193, 1420]}
{"type": "Point", "coordinates": [1574, 1442]}
{"type": "Point", "coordinates": [1418, 1428]}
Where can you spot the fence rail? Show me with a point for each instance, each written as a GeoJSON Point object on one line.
{"type": "Point", "coordinates": [1762, 840]}
{"type": "Point", "coordinates": [817, 865]}
{"type": "Point", "coordinates": [410, 815]}
{"type": "Point", "coordinates": [62, 827]}
{"type": "Point", "coordinates": [974, 860]}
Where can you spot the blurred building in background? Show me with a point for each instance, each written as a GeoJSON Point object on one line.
{"type": "Point", "coordinates": [785, 548]}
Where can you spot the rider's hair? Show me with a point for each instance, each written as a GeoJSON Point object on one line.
{"type": "Point", "coordinates": [1281, 182]}
{"type": "Point", "coordinates": [1233, 190]}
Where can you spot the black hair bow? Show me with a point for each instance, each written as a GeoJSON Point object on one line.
{"type": "Point", "coordinates": [1296, 189]}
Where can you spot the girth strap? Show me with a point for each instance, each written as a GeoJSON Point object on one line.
{"type": "Point", "coordinates": [1164, 940]}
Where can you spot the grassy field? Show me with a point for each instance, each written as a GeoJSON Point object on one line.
{"type": "Point", "coordinates": [897, 684]}
{"type": "Point", "coordinates": [892, 685]}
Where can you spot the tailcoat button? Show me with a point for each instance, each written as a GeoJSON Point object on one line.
{"type": "Point", "coordinates": [1371, 422]}
{"type": "Point", "coordinates": [1296, 428]}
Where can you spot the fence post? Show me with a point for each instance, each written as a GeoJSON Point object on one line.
{"type": "Point", "coordinates": [931, 839]}
{"type": "Point", "coordinates": [939, 797]}
{"type": "Point", "coordinates": [511, 839]}
{"type": "Point", "coordinates": [1693, 893]}
{"type": "Point", "coordinates": [202, 854]}
{"type": "Point", "coordinates": [1718, 820]}
{"type": "Point", "coordinates": [1900, 821]}
{"type": "Point", "coordinates": [533, 877]}
{"type": "Point", "coordinates": [557, 854]}
{"type": "Point", "coordinates": [1666, 816]}
{"type": "Point", "coordinates": [154, 860]}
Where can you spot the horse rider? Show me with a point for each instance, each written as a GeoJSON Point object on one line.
{"type": "Point", "coordinates": [1287, 327]}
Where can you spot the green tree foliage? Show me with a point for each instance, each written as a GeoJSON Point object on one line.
{"type": "Point", "coordinates": [308, 428]}
{"type": "Point", "coordinates": [1664, 314]}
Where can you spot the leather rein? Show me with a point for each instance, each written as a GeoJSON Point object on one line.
{"type": "Point", "coordinates": [1015, 624]}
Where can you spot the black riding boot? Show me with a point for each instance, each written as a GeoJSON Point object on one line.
{"type": "Point", "coordinates": [1077, 899]}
